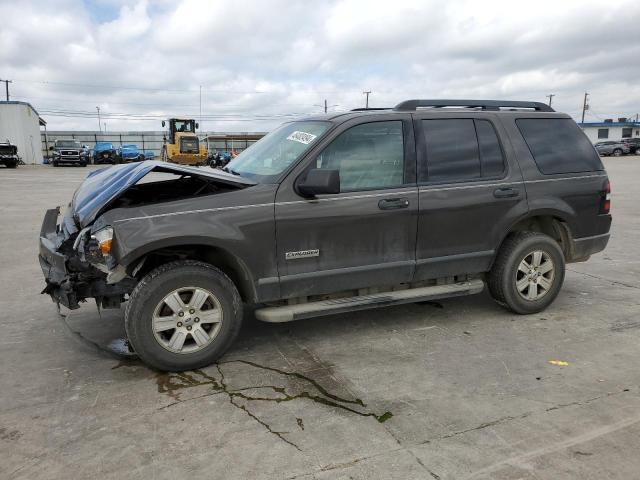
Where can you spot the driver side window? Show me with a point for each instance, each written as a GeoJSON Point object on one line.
{"type": "Point", "coordinates": [368, 156]}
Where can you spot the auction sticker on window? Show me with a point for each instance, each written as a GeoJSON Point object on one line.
{"type": "Point", "coordinates": [302, 137]}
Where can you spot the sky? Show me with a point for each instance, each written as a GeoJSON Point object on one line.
{"type": "Point", "coordinates": [250, 65]}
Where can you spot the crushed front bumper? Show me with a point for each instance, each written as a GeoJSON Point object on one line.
{"type": "Point", "coordinates": [53, 263]}
{"type": "Point", "coordinates": [70, 278]}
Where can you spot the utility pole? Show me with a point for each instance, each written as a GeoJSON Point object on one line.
{"type": "Point", "coordinates": [585, 107]}
{"type": "Point", "coordinates": [105, 127]}
{"type": "Point", "coordinates": [550, 96]}
{"type": "Point", "coordinates": [99, 123]}
{"type": "Point", "coordinates": [325, 105]}
{"type": "Point", "coordinates": [367, 92]}
{"type": "Point", "coordinates": [200, 105]}
{"type": "Point", "coordinates": [6, 86]}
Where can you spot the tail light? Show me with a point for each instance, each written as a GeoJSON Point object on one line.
{"type": "Point", "coordinates": [605, 202]}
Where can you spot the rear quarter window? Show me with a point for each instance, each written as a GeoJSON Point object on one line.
{"type": "Point", "coordinates": [558, 145]}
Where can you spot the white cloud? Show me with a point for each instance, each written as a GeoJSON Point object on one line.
{"type": "Point", "coordinates": [267, 59]}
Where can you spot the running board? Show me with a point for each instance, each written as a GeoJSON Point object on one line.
{"type": "Point", "coordinates": [288, 313]}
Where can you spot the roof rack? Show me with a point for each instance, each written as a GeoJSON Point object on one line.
{"type": "Point", "coordinates": [410, 105]}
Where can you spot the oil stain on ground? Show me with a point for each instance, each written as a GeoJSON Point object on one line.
{"type": "Point", "coordinates": [173, 384]}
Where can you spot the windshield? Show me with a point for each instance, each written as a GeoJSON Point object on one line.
{"type": "Point", "coordinates": [266, 159]}
{"type": "Point", "coordinates": [67, 143]}
{"type": "Point", "coordinates": [104, 145]}
{"type": "Point", "coordinates": [184, 126]}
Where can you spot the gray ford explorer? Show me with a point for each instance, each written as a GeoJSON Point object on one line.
{"type": "Point", "coordinates": [334, 213]}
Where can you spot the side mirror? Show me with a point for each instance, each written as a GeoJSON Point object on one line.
{"type": "Point", "coordinates": [197, 126]}
{"type": "Point", "coordinates": [320, 181]}
{"type": "Point", "coordinates": [51, 148]}
{"type": "Point", "coordinates": [163, 123]}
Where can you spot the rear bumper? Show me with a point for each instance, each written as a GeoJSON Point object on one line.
{"type": "Point", "coordinates": [584, 247]}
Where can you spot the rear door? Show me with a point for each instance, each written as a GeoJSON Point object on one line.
{"type": "Point", "coordinates": [366, 234]}
{"type": "Point", "coordinates": [470, 191]}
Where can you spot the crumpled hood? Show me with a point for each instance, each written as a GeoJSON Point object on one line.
{"type": "Point", "coordinates": [101, 187]}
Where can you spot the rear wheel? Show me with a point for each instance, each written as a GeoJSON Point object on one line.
{"type": "Point", "coordinates": [55, 164]}
{"type": "Point", "coordinates": [183, 315]}
{"type": "Point", "coordinates": [528, 272]}
{"type": "Point", "coordinates": [617, 152]}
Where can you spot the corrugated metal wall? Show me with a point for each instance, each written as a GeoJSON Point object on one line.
{"type": "Point", "coordinates": [19, 124]}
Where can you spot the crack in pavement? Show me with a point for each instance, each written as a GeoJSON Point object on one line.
{"type": "Point", "coordinates": [509, 418]}
{"type": "Point", "coordinates": [616, 282]}
{"type": "Point", "coordinates": [173, 384]}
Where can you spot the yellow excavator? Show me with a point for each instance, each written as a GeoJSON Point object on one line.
{"type": "Point", "coordinates": [183, 146]}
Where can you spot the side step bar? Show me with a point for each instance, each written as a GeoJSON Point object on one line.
{"type": "Point", "coordinates": [288, 313]}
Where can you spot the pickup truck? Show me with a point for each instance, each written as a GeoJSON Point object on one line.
{"type": "Point", "coordinates": [70, 152]}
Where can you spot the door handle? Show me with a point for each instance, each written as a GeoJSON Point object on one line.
{"type": "Point", "coordinates": [393, 203]}
{"type": "Point", "coordinates": [506, 192]}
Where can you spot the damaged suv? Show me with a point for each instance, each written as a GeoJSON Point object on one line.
{"type": "Point", "coordinates": [334, 213]}
{"type": "Point", "coordinates": [9, 155]}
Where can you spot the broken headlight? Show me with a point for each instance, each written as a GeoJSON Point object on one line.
{"type": "Point", "coordinates": [104, 239]}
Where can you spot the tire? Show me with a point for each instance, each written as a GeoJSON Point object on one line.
{"type": "Point", "coordinates": [141, 158]}
{"type": "Point", "coordinates": [55, 164]}
{"type": "Point", "coordinates": [83, 164]}
{"type": "Point", "coordinates": [147, 302]}
{"type": "Point", "coordinates": [11, 164]}
{"type": "Point", "coordinates": [505, 276]}
{"type": "Point", "coordinates": [617, 152]}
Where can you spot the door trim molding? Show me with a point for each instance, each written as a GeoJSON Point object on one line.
{"type": "Point", "coordinates": [453, 258]}
{"type": "Point", "coordinates": [346, 270]}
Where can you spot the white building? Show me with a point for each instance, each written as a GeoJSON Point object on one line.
{"type": "Point", "coordinates": [20, 125]}
{"type": "Point", "coordinates": [610, 130]}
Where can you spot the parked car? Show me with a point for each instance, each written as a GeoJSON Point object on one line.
{"type": "Point", "coordinates": [611, 148]}
{"type": "Point", "coordinates": [130, 153]}
{"type": "Point", "coordinates": [69, 152]}
{"type": "Point", "coordinates": [105, 152]}
{"type": "Point", "coordinates": [314, 219]}
{"type": "Point", "coordinates": [9, 155]}
{"type": "Point", "coordinates": [633, 144]}
{"type": "Point", "coordinates": [149, 155]}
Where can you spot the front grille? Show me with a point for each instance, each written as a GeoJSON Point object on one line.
{"type": "Point", "coordinates": [189, 145]}
{"type": "Point", "coordinates": [69, 152]}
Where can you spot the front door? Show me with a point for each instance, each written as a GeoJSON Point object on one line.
{"type": "Point", "coordinates": [363, 236]}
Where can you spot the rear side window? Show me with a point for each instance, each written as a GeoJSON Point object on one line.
{"type": "Point", "coordinates": [461, 150]}
{"type": "Point", "coordinates": [558, 145]}
{"type": "Point", "coordinates": [492, 162]}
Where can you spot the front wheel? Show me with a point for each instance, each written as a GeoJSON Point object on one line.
{"type": "Point", "coordinates": [183, 315]}
{"type": "Point", "coordinates": [528, 272]}
{"type": "Point", "coordinates": [617, 152]}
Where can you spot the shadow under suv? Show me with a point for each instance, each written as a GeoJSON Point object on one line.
{"type": "Point", "coordinates": [334, 213]}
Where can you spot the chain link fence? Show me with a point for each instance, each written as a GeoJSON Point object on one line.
{"type": "Point", "coordinates": [150, 141]}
